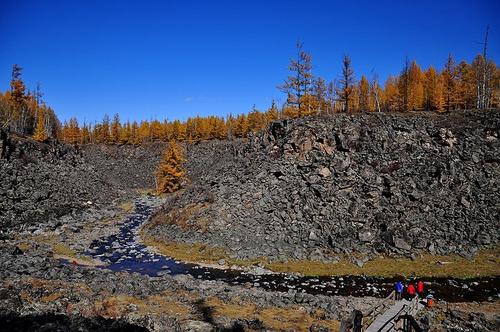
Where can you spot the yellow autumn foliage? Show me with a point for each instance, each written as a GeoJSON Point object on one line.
{"type": "Point", "coordinates": [170, 173]}
{"type": "Point", "coordinates": [40, 135]}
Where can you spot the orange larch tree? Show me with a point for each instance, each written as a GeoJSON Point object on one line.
{"type": "Point", "coordinates": [299, 82]}
{"type": "Point", "coordinates": [40, 134]}
{"type": "Point", "coordinates": [115, 129]}
{"type": "Point", "coordinates": [449, 76]}
{"type": "Point", "coordinates": [364, 95]}
{"type": "Point", "coordinates": [433, 90]}
{"type": "Point", "coordinates": [170, 174]}
{"type": "Point", "coordinates": [347, 81]}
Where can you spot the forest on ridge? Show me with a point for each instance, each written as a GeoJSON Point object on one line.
{"type": "Point", "coordinates": [461, 85]}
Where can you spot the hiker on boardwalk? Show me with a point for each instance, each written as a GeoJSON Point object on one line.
{"type": "Point", "coordinates": [420, 289]}
{"type": "Point", "coordinates": [399, 290]}
{"type": "Point", "coordinates": [411, 291]}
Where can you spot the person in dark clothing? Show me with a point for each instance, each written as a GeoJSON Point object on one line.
{"type": "Point", "coordinates": [399, 290]}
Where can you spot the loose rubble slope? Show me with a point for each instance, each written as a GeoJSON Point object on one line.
{"type": "Point", "coordinates": [326, 186]}
{"type": "Point", "coordinates": [41, 182]}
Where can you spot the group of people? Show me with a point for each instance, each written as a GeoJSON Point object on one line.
{"type": "Point", "coordinates": [411, 291]}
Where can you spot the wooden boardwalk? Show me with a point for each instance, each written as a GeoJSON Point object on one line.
{"type": "Point", "coordinates": [385, 321]}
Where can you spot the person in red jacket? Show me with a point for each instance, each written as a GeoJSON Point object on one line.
{"type": "Point", "coordinates": [411, 291]}
{"type": "Point", "coordinates": [420, 288]}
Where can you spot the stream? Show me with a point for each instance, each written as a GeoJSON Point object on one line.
{"type": "Point", "coordinates": [124, 252]}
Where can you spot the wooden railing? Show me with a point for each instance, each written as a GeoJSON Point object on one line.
{"type": "Point", "coordinates": [393, 319]}
{"type": "Point", "coordinates": [408, 310]}
{"type": "Point", "coordinates": [371, 314]}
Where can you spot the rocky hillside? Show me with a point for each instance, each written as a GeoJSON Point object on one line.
{"type": "Point", "coordinates": [368, 183]}
{"type": "Point", "coordinates": [42, 182]}
{"type": "Point", "coordinates": [125, 167]}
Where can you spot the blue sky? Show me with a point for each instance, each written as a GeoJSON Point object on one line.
{"type": "Point", "coordinates": [174, 59]}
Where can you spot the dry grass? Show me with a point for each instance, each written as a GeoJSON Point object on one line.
{"type": "Point", "coordinates": [106, 221]}
{"type": "Point", "coordinates": [161, 304]}
{"type": "Point", "coordinates": [48, 291]}
{"type": "Point", "coordinates": [25, 296]}
{"type": "Point", "coordinates": [185, 217]}
{"type": "Point", "coordinates": [196, 252]}
{"type": "Point", "coordinates": [42, 283]}
{"type": "Point", "coordinates": [62, 251]}
{"type": "Point", "coordinates": [180, 303]}
{"type": "Point", "coordinates": [51, 297]}
{"type": "Point", "coordinates": [280, 319]}
{"type": "Point", "coordinates": [127, 206]}
{"type": "Point", "coordinates": [24, 246]}
{"type": "Point", "coordinates": [171, 303]}
{"type": "Point", "coordinates": [485, 263]}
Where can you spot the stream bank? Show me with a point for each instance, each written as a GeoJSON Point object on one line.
{"type": "Point", "coordinates": [124, 252]}
{"type": "Point", "coordinates": [159, 294]}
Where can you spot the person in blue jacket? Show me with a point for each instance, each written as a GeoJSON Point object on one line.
{"type": "Point", "coordinates": [399, 290]}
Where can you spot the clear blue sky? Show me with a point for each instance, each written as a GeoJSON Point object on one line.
{"type": "Point", "coordinates": [176, 59]}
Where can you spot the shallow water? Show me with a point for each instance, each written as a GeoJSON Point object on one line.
{"type": "Point", "coordinates": [123, 252]}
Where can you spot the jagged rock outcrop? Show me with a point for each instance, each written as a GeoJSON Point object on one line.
{"type": "Point", "coordinates": [369, 183]}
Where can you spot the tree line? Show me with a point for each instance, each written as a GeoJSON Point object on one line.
{"type": "Point", "coordinates": [461, 85]}
{"type": "Point", "coordinates": [25, 112]}
{"type": "Point", "coordinates": [456, 86]}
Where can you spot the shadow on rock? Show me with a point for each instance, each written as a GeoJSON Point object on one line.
{"type": "Point", "coordinates": [10, 321]}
